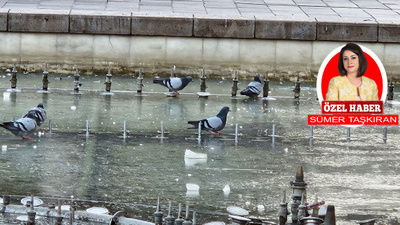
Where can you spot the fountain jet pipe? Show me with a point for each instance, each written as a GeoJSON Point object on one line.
{"type": "Point", "coordinates": [59, 216]}
{"type": "Point", "coordinates": [187, 221]}
{"type": "Point", "coordinates": [199, 131]}
{"type": "Point", "coordinates": [14, 77]}
{"type": "Point", "coordinates": [179, 220]}
{"type": "Point", "coordinates": [50, 126]}
{"type": "Point", "coordinates": [71, 213]}
{"type": "Point", "coordinates": [45, 80]}
{"type": "Point", "coordinates": [266, 86]}
{"type": "Point", "coordinates": [235, 85]}
{"type": "Point", "coordinates": [87, 128]}
{"type": "Point", "coordinates": [390, 94]}
{"type": "Point", "coordinates": [384, 135]}
{"type": "Point", "coordinates": [6, 202]}
{"type": "Point", "coordinates": [31, 213]}
{"type": "Point", "coordinates": [203, 86]}
{"type": "Point", "coordinates": [77, 84]}
{"type": "Point", "coordinates": [108, 80]}
{"type": "Point", "coordinates": [299, 190]}
{"type": "Point", "coordinates": [236, 133]}
{"type": "Point", "coordinates": [348, 134]}
{"type": "Point", "coordinates": [124, 130]}
{"type": "Point", "coordinates": [297, 87]}
{"type": "Point", "coordinates": [169, 220]}
{"type": "Point", "coordinates": [173, 71]}
{"type": "Point", "coordinates": [158, 216]}
{"type": "Point", "coordinates": [302, 209]}
{"type": "Point", "coordinates": [283, 212]}
{"type": "Point", "coordinates": [140, 82]}
{"type": "Point", "coordinates": [162, 130]}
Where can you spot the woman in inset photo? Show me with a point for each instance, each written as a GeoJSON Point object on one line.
{"type": "Point", "coordinates": [351, 84]}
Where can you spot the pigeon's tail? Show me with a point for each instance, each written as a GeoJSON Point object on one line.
{"type": "Point", "coordinates": [10, 126]}
{"type": "Point", "coordinates": [157, 81]}
{"type": "Point", "coordinates": [195, 124]}
{"type": "Point", "coordinates": [249, 91]}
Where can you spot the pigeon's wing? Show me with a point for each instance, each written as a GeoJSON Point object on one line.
{"type": "Point", "coordinates": [38, 114]}
{"type": "Point", "coordinates": [255, 86]}
{"type": "Point", "coordinates": [26, 124]}
{"type": "Point", "coordinates": [21, 126]}
{"type": "Point", "coordinates": [175, 84]}
{"type": "Point", "coordinates": [213, 123]}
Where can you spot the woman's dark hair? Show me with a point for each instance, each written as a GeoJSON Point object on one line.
{"type": "Point", "coordinates": [362, 60]}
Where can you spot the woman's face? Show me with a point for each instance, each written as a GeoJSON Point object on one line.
{"type": "Point", "coordinates": [351, 62]}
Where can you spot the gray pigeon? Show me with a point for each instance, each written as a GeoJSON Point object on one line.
{"type": "Point", "coordinates": [37, 113]}
{"type": "Point", "coordinates": [254, 88]}
{"type": "Point", "coordinates": [213, 124]}
{"type": "Point", "coordinates": [21, 127]}
{"type": "Point", "coordinates": [174, 84]}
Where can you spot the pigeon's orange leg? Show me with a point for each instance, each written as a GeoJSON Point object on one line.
{"type": "Point", "coordinates": [27, 138]}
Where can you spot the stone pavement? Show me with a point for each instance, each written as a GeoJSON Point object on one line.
{"type": "Point", "coordinates": [326, 20]}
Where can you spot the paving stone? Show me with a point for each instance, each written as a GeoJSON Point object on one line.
{"type": "Point", "coordinates": [369, 4]}
{"type": "Point", "coordinates": [313, 11]}
{"type": "Point", "coordinates": [281, 2]}
{"type": "Point", "coordinates": [41, 21]}
{"type": "Point", "coordinates": [309, 2]}
{"type": "Point", "coordinates": [89, 7]}
{"type": "Point", "coordinates": [340, 3]}
{"type": "Point", "coordinates": [281, 10]}
{"type": "Point", "coordinates": [351, 13]}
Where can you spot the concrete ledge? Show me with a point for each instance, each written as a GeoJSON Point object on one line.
{"type": "Point", "coordinates": [286, 28]}
{"type": "Point", "coordinates": [180, 25]}
{"type": "Point", "coordinates": [347, 30]}
{"type": "Point", "coordinates": [389, 33]}
{"type": "Point", "coordinates": [193, 25]}
{"type": "Point", "coordinates": [3, 19]}
{"type": "Point", "coordinates": [223, 27]}
{"type": "Point", "coordinates": [42, 21]}
{"type": "Point", "coordinates": [93, 22]}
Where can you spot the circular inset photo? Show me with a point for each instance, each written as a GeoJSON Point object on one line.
{"type": "Point", "coordinates": [351, 72]}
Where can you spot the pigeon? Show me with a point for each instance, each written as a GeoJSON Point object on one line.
{"type": "Point", "coordinates": [254, 88]}
{"type": "Point", "coordinates": [21, 127]}
{"type": "Point", "coordinates": [214, 124]}
{"type": "Point", "coordinates": [37, 113]}
{"type": "Point", "coordinates": [174, 84]}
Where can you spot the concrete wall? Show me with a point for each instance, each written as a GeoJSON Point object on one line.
{"type": "Point", "coordinates": [157, 54]}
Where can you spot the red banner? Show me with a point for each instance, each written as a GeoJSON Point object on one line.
{"type": "Point", "coordinates": [352, 107]}
{"type": "Point", "coordinates": [353, 119]}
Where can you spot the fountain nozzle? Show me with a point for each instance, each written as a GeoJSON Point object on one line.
{"type": "Point", "coordinates": [297, 87]}
{"type": "Point", "coordinates": [108, 80]}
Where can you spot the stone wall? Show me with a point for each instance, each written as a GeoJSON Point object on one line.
{"type": "Point", "coordinates": [93, 40]}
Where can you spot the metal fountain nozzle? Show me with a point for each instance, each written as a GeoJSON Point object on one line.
{"type": "Point", "coordinates": [297, 87]}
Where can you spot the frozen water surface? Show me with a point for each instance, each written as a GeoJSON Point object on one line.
{"type": "Point", "coordinates": [359, 177]}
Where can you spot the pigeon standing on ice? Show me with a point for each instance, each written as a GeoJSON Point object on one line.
{"type": "Point", "coordinates": [254, 88]}
{"type": "Point", "coordinates": [37, 113]}
{"type": "Point", "coordinates": [28, 123]}
{"type": "Point", "coordinates": [21, 127]}
{"type": "Point", "coordinates": [174, 84]}
{"type": "Point", "coordinates": [213, 124]}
